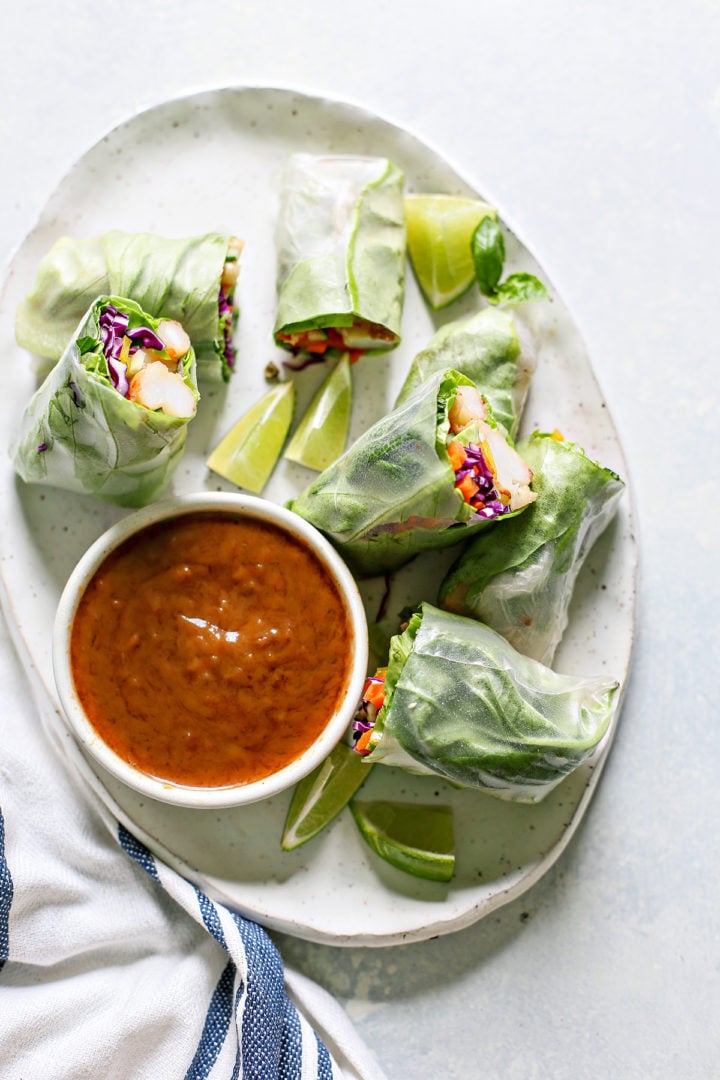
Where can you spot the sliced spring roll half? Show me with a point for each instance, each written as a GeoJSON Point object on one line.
{"type": "Point", "coordinates": [110, 420]}
{"type": "Point", "coordinates": [495, 349]}
{"type": "Point", "coordinates": [190, 280]}
{"type": "Point", "coordinates": [428, 475]}
{"type": "Point", "coordinates": [457, 701]}
{"type": "Point", "coordinates": [523, 587]}
{"type": "Point", "coordinates": [341, 254]}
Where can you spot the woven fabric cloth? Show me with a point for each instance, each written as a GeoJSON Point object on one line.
{"type": "Point", "coordinates": [112, 965]}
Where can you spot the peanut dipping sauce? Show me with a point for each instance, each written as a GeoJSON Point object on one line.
{"type": "Point", "coordinates": [210, 650]}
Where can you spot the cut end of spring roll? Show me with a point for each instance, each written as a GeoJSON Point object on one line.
{"type": "Point", "coordinates": [428, 475]}
{"type": "Point", "coordinates": [457, 701]}
{"type": "Point", "coordinates": [110, 419]}
{"type": "Point", "coordinates": [523, 587]}
{"type": "Point", "coordinates": [492, 476]}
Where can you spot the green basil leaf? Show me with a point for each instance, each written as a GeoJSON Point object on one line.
{"type": "Point", "coordinates": [520, 289]}
{"type": "Point", "coordinates": [488, 252]}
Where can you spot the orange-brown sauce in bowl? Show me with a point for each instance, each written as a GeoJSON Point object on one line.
{"type": "Point", "coordinates": [210, 650]}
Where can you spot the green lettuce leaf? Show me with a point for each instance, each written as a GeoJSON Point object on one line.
{"type": "Point", "coordinates": [69, 278]}
{"type": "Point", "coordinates": [392, 494]}
{"type": "Point", "coordinates": [341, 245]}
{"type": "Point", "coordinates": [464, 705]}
{"type": "Point", "coordinates": [523, 587]}
{"type": "Point", "coordinates": [494, 349]}
{"type": "Point", "coordinates": [171, 278]}
{"type": "Point", "coordinates": [79, 433]}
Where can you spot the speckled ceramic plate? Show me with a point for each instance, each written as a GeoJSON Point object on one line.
{"type": "Point", "coordinates": [209, 162]}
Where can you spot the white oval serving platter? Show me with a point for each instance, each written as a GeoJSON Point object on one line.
{"type": "Point", "coordinates": [208, 162]}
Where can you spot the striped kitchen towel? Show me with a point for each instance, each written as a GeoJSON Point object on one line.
{"type": "Point", "coordinates": [112, 965]}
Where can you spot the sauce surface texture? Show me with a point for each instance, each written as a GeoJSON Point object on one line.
{"type": "Point", "coordinates": [210, 650]}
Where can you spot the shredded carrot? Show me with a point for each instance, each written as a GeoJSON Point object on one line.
{"type": "Point", "coordinates": [335, 338]}
{"type": "Point", "coordinates": [374, 692]}
{"type": "Point", "coordinates": [315, 346]}
{"type": "Point", "coordinates": [362, 744]}
{"type": "Point", "coordinates": [467, 488]}
{"type": "Point", "coordinates": [456, 453]}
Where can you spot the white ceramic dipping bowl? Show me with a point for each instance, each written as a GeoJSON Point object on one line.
{"type": "Point", "coordinates": [246, 506]}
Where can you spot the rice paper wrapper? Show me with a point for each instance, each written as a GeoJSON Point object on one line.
{"type": "Point", "coordinates": [523, 586]}
{"type": "Point", "coordinates": [392, 494]}
{"type": "Point", "coordinates": [341, 244]}
{"type": "Point", "coordinates": [79, 433]}
{"type": "Point", "coordinates": [462, 704]}
{"type": "Point", "coordinates": [495, 349]}
{"type": "Point", "coordinates": [171, 278]}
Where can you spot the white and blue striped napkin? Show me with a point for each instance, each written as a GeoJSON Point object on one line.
{"type": "Point", "coordinates": [114, 966]}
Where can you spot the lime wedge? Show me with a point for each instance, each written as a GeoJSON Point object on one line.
{"type": "Point", "coordinates": [322, 794]}
{"type": "Point", "coordinates": [249, 452]}
{"type": "Point", "coordinates": [322, 433]}
{"type": "Point", "coordinates": [439, 231]}
{"type": "Point", "coordinates": [416, 839]}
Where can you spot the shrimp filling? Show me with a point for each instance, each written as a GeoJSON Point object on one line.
{"type": "Point", "coordinates": [145, 365]}
{"type": "Point", "coordinates": [489, 473]}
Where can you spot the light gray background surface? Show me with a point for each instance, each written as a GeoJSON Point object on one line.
{"type": "Point", "coordinates": [596, 129]}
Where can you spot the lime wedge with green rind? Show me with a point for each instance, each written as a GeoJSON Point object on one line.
{"type": "Point", "coordinates": [322, 433]}
{"type": "Point", "coordinates": [439, 231]}
{"type": "Point", "coordinates": [417, 839]}
{"type": "Point", "coordinates": [321, 795]}
{"type": "Point", "coordinates": [249, 452]}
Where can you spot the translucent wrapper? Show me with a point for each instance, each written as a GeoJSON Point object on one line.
{"type": "Point", "coordinates": [341, 248]}
{"type": "Point", "coordinates": [392, 494]}
{"type": "Point", "coordinates": [523, 587]}
{"type": "Point", "coordinates": [176, 278]}
{"type": "Point", "coordinates": [461, 703]}
{"type": "Point", "coordinates": [81, 434]}
{"type": "Point", "coordinates": [495, 349]}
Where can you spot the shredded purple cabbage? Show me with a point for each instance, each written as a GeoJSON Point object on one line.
{"type": "Point", "coordinates": [113, 326]}
{"type": "Point", "coordinates": [146, 338]}
{"type": "Point", "coordinates": [486, 502]}
{"type": "Point", "coordinates": [118, 375]}
{"type": "Point", "coordinates": [360, 725]}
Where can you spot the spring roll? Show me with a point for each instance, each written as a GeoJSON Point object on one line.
{"type": "Point", "coordinates": [523, 587]}
{"type": "Point", "coordinates": [457, 701]}
{"type": "Point", "coordinates": [110, 420]}
{"type": "Point", "coordinates": [495, 349]}
{"type": "Point", "coordinates": [189, 280]}
{"type": "Point", "coordinates": [430, 474]}
{"type": "Point", "coordinates": [341, 254]}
